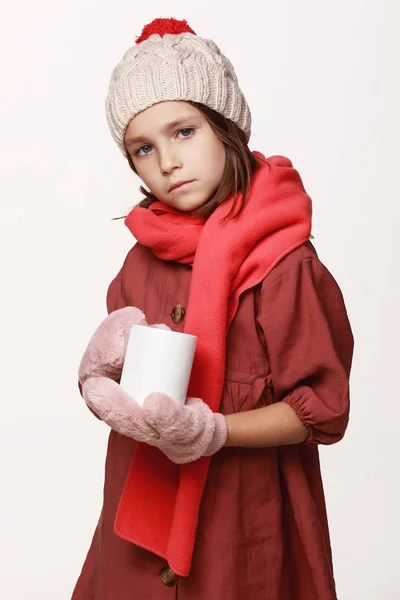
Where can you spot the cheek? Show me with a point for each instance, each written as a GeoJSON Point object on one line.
{"type": "Point", "coordinates": [146, 174]}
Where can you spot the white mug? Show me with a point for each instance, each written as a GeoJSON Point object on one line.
{"type": "Point", "coordinates": [157, 360]}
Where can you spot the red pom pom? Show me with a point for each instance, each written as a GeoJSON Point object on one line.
{"type": "Point", "coordinates": [163, 26]}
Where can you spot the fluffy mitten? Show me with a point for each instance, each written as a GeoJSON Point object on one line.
{"type": "Point", "coordinates": [116, 408]}
{"type": "Point", "coordinates": [183, 432]}
{"type": "Point", "coordinates": [105, 353]}
{"type": "Point", "coordinates": [187, 431]}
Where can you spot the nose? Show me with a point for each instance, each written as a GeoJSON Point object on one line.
{"type": "Point", "coordinates": [169, 160]}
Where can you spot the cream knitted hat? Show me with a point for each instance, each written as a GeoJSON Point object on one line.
{"type": "Point", "coordinates": [170, 62]}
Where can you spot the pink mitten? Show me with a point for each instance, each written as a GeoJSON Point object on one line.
{"type": "Point", "coordinates": [186, 432]}
{"type": "Point", "coordinates": [105, 353]}
{"type": "Point", "coordinates": [183, 432]}
{"type": "Point", "coordinates": [116, 408]}
{"type": "Point", "coordinates": [106, 350]}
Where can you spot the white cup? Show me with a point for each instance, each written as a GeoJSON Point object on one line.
{"type": "Point", "coordinates": [157, 360]}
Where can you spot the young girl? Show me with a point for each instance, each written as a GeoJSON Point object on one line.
{"type": "Point", "coordinates": [220, 498]}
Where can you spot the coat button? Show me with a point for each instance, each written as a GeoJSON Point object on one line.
{"type": "Point", "coordinates": [168, 577]}
{"type": "Point", "coordinates": [178, 314]}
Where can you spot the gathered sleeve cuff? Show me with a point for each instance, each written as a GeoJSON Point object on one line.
{"type": "Point", "coordinates": [303, 321]}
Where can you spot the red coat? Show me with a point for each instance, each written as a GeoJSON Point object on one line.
{"type": "Point", "coordinates": [262, 532]}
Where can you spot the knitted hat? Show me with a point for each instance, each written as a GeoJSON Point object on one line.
{"type": "Point", "coordinates": [170, 62]}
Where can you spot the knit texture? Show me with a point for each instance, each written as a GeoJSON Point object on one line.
{"type": "Point", "coordinates": [173, 66]}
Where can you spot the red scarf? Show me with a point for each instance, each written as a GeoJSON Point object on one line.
{"type": "Point", "coordinates": [160, 503]}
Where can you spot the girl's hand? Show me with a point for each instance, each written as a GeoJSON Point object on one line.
{"type": "Point", "coordinates": [105, 353]}
{"type": "Point", "coordinates": [183, 432]}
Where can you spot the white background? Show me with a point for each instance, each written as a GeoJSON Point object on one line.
{"type": "Point", "coordinates": [322, 82]}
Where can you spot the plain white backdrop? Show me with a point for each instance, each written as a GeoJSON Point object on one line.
{"type": "Point", "coordinates": [322, 82]}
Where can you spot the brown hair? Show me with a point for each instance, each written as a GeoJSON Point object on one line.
{"type": "Point", "coordinates": [240, 165]}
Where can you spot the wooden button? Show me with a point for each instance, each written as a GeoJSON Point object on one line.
{"type": "Point", "coordinates": [178, 314]}
{"type": "Point", "coordinates": [168, 577]}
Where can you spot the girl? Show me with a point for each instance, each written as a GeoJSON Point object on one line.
{"type": "Point", "coordinates": [221, 498]}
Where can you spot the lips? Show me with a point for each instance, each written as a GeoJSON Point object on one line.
{"type": "Point", "coordinates": [179, 184]}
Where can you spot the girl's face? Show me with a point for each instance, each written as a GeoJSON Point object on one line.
{"type": "Point", "coordinates": [172, 142]}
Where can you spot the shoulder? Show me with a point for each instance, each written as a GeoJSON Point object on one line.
{"type": "Point", "coordinates": [297, 258]}
{"type": "Point", "coordinates": [138, 258]}
{"type": "Point", "coordinates": [300, 284]}
{"type": "Point", "coordinates": [134, 257]}
{"type": "Point", "coordinates": [132, 274]}
{"type": "Point", "coordinates": [301, 274]}
{"type": "Point", "coordinates": [136, 253]}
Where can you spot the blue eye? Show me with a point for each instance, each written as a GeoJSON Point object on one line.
{"type": "Point", "coordinates": [141, 148]}
{"type": "Point", "coordinates": [190, 129]}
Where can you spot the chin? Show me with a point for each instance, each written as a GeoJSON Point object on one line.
{"type": "Point", "coordinates": [187, 206]}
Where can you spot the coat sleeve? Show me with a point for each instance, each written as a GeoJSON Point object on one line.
{"type": "Point", "coordinates": [114, 301]}
{"type": "Point", "coordinates": [309, 342]}
{"type": "Point", "coordinates": [115, 298]}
